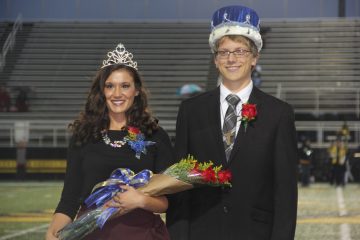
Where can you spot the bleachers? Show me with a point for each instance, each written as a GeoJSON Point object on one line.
{"type": "Point", "coordinates": [58, 61]}
{"type": "Point", "coordinates": [66, 55]}
{"type": "Point", "coordinates": [312, 64]}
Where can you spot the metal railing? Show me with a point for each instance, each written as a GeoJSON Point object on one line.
{"type": "Point", "coordinates": [10, 41]}
{"type": "Point", "coordinates": [326, 131]}
{"type": "Point", "coordinates": [345, 99]}
{"type": "Point", "coordinates": [36, 133]}
{"type": "Point", "coordinates": [54, 133]}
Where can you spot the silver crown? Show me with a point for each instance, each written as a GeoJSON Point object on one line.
{"type": "Point", "coordinates": [120, 56]}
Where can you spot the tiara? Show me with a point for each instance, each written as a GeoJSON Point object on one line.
{"type": "Point", "coordinates": [120, 56]}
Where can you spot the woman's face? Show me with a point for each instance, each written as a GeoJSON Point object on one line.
{"type": "Point", "coordinates": [119, 91]}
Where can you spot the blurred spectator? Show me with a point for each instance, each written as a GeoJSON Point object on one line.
{"type": "Point", "coordinates": [4, 100]}
{"type": "Point", "coordinates": [344, 132]}
{"type": "Point", "coordinates": [354, 162]}
{"type": "Point", "coordinates": [338, 154]}
{"type": "Point", "coordinates": [256, 76]}
{"type": "Point", "coordinates": [21, 137]}
{"type": "Point", "coordinates": [22, 101]}
{"type": "Point", "coordinates": [348, 175]}
{"type": "Point", "coordinates": [21, 160]}
{"type": "Point", "coordinates": [305, 161]}
{"type": "Point", "coordinates": [189, 90]}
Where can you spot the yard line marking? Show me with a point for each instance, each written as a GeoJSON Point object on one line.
{"type": "Point", "coordinates": [341, 202]}
{"type": "Point", "coordinates": [26, 217]}
{"type": "Point", "coordinates": [344, 228]}
{"type": "Point", "coordinates": [8, 219]}
{"type": "Point", "coordinates": [345, 231]}
{"type": "Point", "coordinates": [13, 235]}
{"type": "Point", "coordinates": [330, 220]}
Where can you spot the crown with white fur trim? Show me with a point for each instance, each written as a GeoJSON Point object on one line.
{"type": "Point", "coordinates": [235, 20]}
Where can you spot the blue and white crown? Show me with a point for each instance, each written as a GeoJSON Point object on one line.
{"type": "Point", "coordinates": [120, 56]}
{"type": "Point", "coordinates": [235, 20]}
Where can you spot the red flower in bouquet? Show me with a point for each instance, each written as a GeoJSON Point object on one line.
{"type": "Point", "coordinates": [224, 176]}
{"type": "Point", "coordinates": [209, 175]}
{"type": "Point", "coordinates": [248, 113]}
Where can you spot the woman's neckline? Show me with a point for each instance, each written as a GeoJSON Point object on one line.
{"type": "Point", "coordinates": [116, 130]}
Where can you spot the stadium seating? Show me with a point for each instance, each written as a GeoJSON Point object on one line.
{"type": "Point", "coordinates": [312, 64]}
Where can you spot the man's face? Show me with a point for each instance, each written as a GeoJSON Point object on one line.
{"type": "Point", "coordinates": [234, 61]}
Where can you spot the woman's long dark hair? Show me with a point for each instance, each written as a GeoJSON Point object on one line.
{"type": "Point", "coordinates": [95, 118]}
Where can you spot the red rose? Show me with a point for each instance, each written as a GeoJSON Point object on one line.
{"type": "Point", "coordinates": [248, 112]}
{"type": "Point", "coordinates": [209, 175]}
{"type": "Point", "coordinates": [224, 176]}
{"type": "Point", "coordinates": [133, 130]}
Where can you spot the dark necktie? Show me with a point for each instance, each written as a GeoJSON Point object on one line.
{"type": "Point", "coordinates": [229, 126]}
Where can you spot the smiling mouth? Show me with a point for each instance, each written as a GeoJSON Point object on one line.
{"type": "Point", "coordinates": [117, 102]}
{"type": "Point", "coordinates": [233, 68]}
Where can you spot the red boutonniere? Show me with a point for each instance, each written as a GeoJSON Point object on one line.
{"type": "Point", "coordinates": [248, 113]}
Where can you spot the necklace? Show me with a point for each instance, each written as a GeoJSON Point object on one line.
{"type": "Point", "coordinates": [135, 139]}
{"type": "Point", "coordinates": [107, 141]}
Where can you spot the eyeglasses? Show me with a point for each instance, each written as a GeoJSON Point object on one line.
{"type": "Point", "coordinates": [239, 53]}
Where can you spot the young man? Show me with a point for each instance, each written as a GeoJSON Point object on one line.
{"type": "Point", "coordinates": [250, 133]}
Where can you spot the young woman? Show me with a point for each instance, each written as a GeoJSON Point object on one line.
{"type": "Point", "coordinates": [116, 107]}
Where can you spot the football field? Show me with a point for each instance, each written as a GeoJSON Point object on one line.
{"type": "Point", "coordinates": [324, 212]}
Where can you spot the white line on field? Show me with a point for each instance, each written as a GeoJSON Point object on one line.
{"type": "Point", "coordinates": [10, 236]}
{"type": "Point", "coordinates": [345, 231]}
{"type": "Point", "coordinates": [344, 228]}
{"type": "Point", "coordinates": [341, 202]}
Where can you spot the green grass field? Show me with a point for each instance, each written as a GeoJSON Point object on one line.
{"type": "Point", "coordinates": [325, 213]}
{"type": "Point", "coordinates": [26, 208]}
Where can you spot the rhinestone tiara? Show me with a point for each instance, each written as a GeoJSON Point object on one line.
{"type": "Point", "coordinates": [120, 56]}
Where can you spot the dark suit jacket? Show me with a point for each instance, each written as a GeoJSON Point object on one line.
{"type": "Point", "coordinates": [262, 203]}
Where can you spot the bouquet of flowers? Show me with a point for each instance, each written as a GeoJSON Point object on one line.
{"type": "Point", "coordinates": [181, 176]}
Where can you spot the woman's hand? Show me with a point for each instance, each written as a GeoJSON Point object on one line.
{"type": "Point", "coordinates": [50, 236]}
{"type": "Point", "coordinates": [131, 199]}
{"type": "Point", "coordinates": [128, 200]}
{"type": "Point", "coordinates": [59, 221]}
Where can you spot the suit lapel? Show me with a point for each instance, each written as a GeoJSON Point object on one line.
{"type": "Point", "coordinates": [213, 108]}
{"type": "Point", "coordinates": [241, 136]}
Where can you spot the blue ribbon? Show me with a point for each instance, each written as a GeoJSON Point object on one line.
{"type": "Point", "coordinates": [106, 190]}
